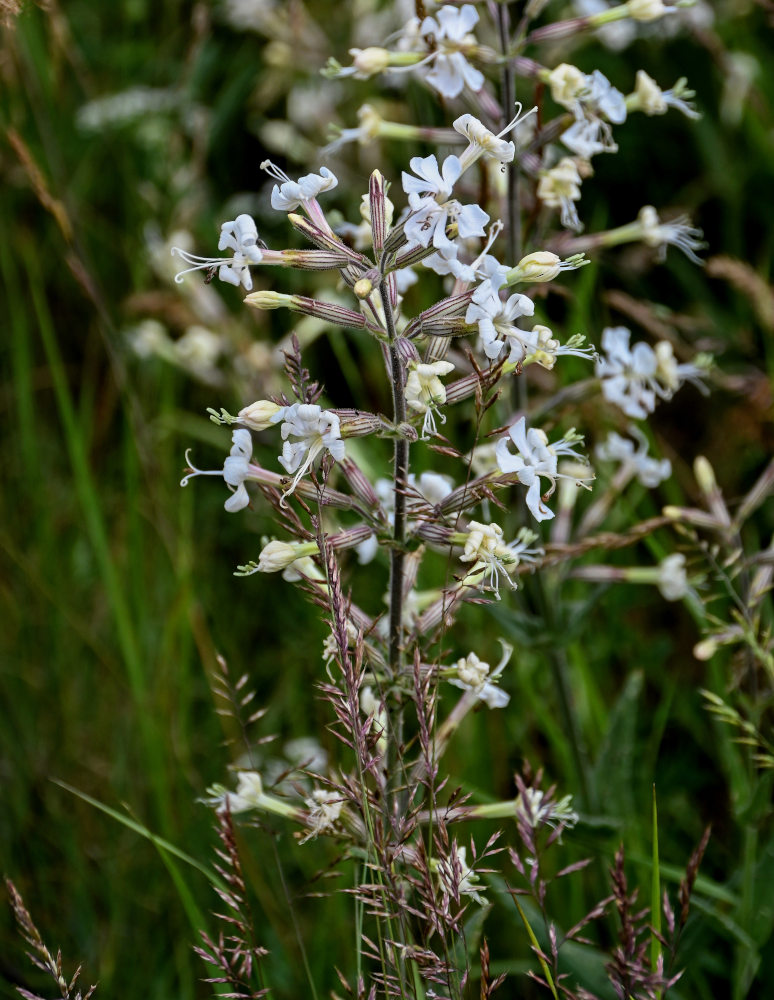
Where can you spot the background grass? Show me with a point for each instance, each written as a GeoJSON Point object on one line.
{"type": "Point", "coordinates": [117, 588]}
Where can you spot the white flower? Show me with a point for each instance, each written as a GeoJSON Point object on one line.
{"type": "Point", "coordinates": [655, 101]}
{"type": "Point", "coordinates": [628, 374]}
{"type": "Point", "coordinates": [431, 206]}
{"type": "Point", "coordinates": [486, 143]}
{"type": "Point", "coordinates": [603, 97]}
{"type": "Point", "coordinates": [650, 471]}
{"type": "Point", "coordinates": [484, 547]}
{"type": "Point", "coordinates": [324, 811]}
{"type": "Point", "coordinates": [633, 378]}
{"type": "Point", "coordinates": [616, 35]}
{"type": "Point", "coordinates": [485, 268]}
{"type": "Point", "coordinates": [249, 794]}
{"type": "Point", "coordinates": [367, 549]}
{"type": "Point", "coordinates": [495, 318]}
{"type": "Point", "coordinates": [451, 71]}
{"type": "Point", "coordinates": [559, 187]}
{"type": "Point", "coordinates": [241, 236]}
{"type": "Point", "coordinates": [535, 811]}
{"type": "Point", "coordinates": [672, 580]}
{"type": "Point", "coordinates": [289, 195]}
{"type": "Point", "coordinates": [535, 458]}
{"type": "Point", "coordinates": [678, 233]}
{"type": "Point", "coordinates": [433, 486]}
{"type": "Point", "coordinates": [472, 674]}
{"type": "Point", "coordinates": [587, 95]}
{"type": "Point", "coordinates": [589, 136]}
{"type": "Point", "coordinates": [317, 430]}
{"type": "Point", "coordinates": [567, 84]}
{"type": "Point", "coordinates": [198, 348]}
{"type": "Point", "coordinates": [456, 877]}
{"type": "Point", "coordinates": [425, 392]}
{"type": "Point", "coordinates": [430, 180]}
{"type": "Point", "coordinates": [236, 469]}
{"type": "Point", "coordinates": [542, 348]}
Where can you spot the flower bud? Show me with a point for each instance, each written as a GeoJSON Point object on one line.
{"type": "Point", "coordinates": [277, 555]}
{"type": "Point", "coordinates": [261, 415]}
{"type": "Point", "coordinates": [330, 312]}
{"type": "Point", "coordinates": [539, 266]}
{"type": "Point", "coordinates": [646, 10]}
{"type": "Point", "coordinates": [363, 288]}
{"type": "Point", "coordinates": [370, 61]}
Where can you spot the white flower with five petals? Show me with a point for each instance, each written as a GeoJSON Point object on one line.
{"type": "Point", "coordinates": [495, 318]}
{"type": "Point", "coordinates": [316, 431]}
{"type": "Point", "coordinates": [536, 458]}
{"type": "Point", "coordinates": [450, 29]}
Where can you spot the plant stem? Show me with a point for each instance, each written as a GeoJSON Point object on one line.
{"type": "Point", "coordinates": [400, 478]}
{"type": "Point", "coordinates": [508, 100]}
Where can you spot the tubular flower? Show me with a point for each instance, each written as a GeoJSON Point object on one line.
{"type": "Point", "coordinates": [288, 195]}
{"type": "Point", "coordinates": [677, 233]}
{"type": "Point", "coordinates": [240, 236]}
{"type": "Point", "coordinates": [425, 392]}
{"type": "Point", "coordinates": [324, 811]}
{"type": "Point", "coordinates": [559, 187]}
{"type": "Point", "coordinates": [456, 877]}
{"type": "Point", "coordinates": [652, 100]}
{"type": "Point", "coordinates": [535, 809]}
{"type": "Point", "coordinates": [317, 430]}
{"type": "Point", "coordinates": [542, 348]}
{"type": "Point", "coordinates": [486, 143]}
{"type": "Point", "coordinates": [484, 547]}
{"type": "Point", "coordinates": [472, 674]}
{"type": "Point", "coordinates": [236, 469]}
{"type": "Point", "coordinates": [536, 458]}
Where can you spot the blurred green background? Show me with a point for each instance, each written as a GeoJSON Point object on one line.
{"type": "Point", "coordinates": [130, 122]}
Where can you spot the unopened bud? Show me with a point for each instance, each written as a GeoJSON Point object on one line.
{"type": "Point", "coordinates": [358, 423]}
{"type": "Point", "coordinates": [539, 266]}
{"type": "Point", "coordinates": [370, 281]}
{"type": "Point", "coordinates": [328, 311]}
{"type": "Point", "coordinates": [370, 61]}
{"type": "Point", "coordinates": [261, 415]}
{"type": "Point", "coordinates": [646, 10]}
{"type": "Point", "coordinates": [705, 475]}
{"type": "Point", "coordinates": [277, 555]}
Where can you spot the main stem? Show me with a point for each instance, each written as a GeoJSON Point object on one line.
{"type": "Point", "coordinates": [400, 480]}
{"type": "Point", "coordinates": [508, 97]}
